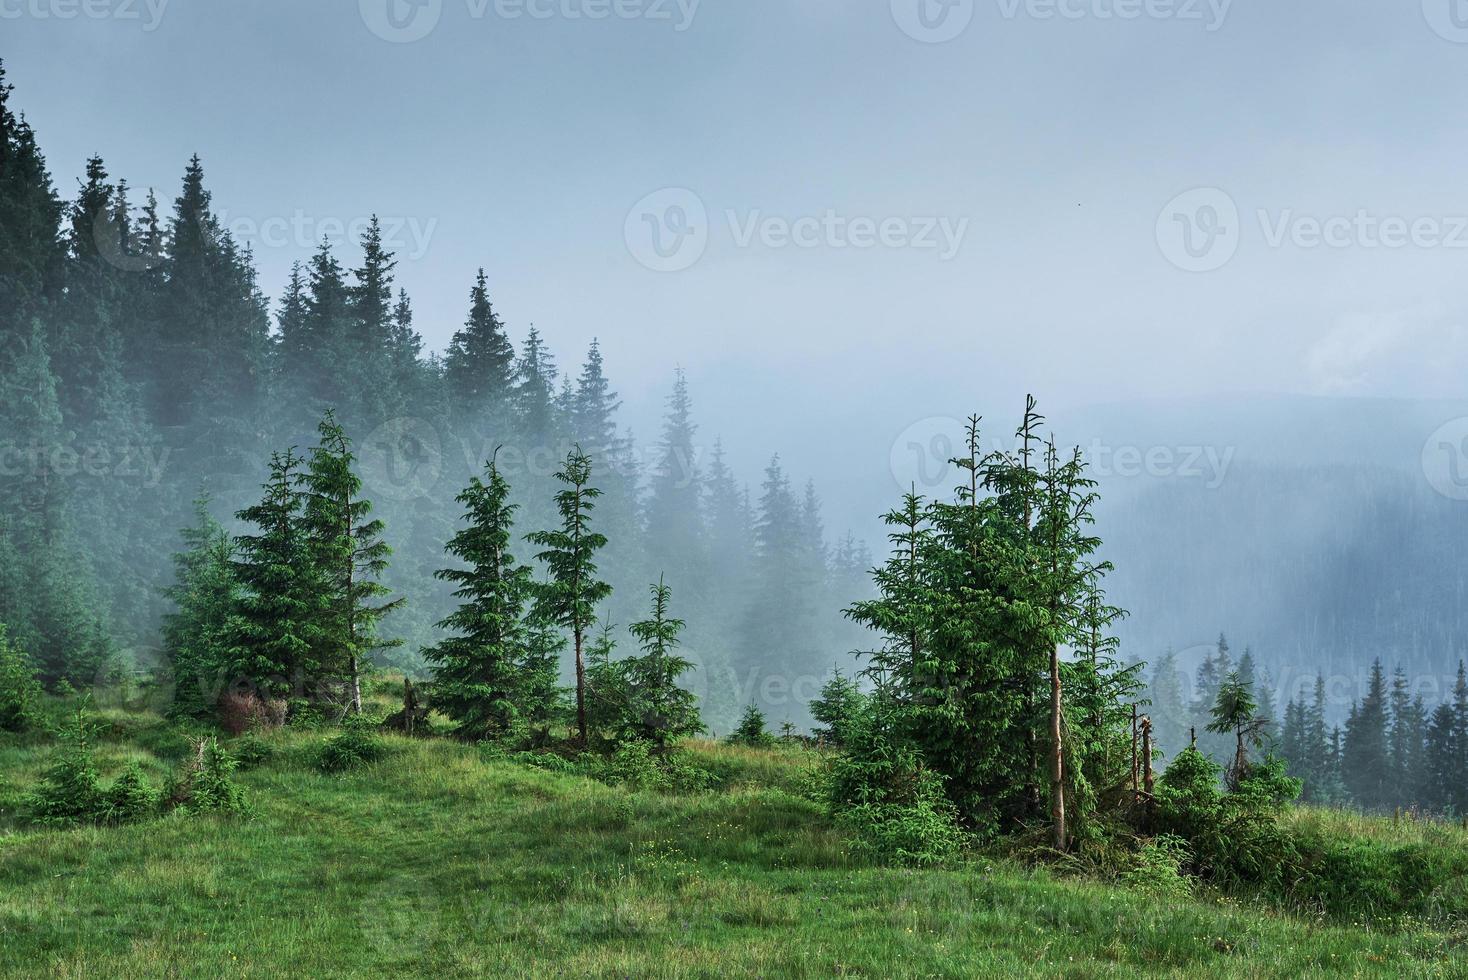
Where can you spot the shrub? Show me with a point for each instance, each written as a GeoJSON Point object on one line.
{"type": "Point", "coordinates": [71, 791]}
{"type": "Point", "coordinates": [890, 805]}
{"type": "Point", "coordinates": [20, 691]}
{"type": "Point", "coordinates": [131, 797]}
{"type": "Point", "coordinates": [207, 784]}
{"type": "Point", "coordinates": [751, 730]}
{"type": "Point", "coordinates": [1158, 865]}
{"type": "Point", "coordinates": [1235, 838]}
{"type": "Point", "coordinates": [250, 750]}
{"type": "Point", "coordinates": [356, 745]}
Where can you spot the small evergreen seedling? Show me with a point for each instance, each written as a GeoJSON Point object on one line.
{"type": "Point", "coordinates": [751, 730]}
{"type": "Point", "coordinates": [210, 786]}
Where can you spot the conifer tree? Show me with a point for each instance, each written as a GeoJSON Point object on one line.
{"type": "Point", "coordinates": [1236, 713]}
{"type": "Point", "coordinates": [481, 671]}
{"type": "Point", "coordinates": [196, 634]}
{"type": "Point", "coordinates": [661, 709]}
{"type": "Point", "coordinates": [1364, 766]}
{"type": "Point", "coordinates": [349, 554]}
{"type": "Point", "coordinates": [479, 365]}
{"type": "Point", "coordinates": [278, 617]}
{"type": "Point", "coordinates": [570, 598]}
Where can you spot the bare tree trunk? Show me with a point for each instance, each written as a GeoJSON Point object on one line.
{"type": "Point", "coordinates": [1057, 760]}
{"type": "Point", "coordinates": [356, 687]}
{"type": "Point", "coordinates": [580, 690]}
{"type": "Point", "coordinates": [1147, 784]}
{"type": "Point", "coordinates": [1134, 749]}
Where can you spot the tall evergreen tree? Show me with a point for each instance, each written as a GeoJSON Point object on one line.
{"type": "Point", "coordinates": [196, 633]}
{"type": "Point", "coordinates": [348, 551]}
{"type": "Point", "coordinates": [571, 596]}
{"type": "Point", "coordinates": [1365, 760]}
{"type": "Point", "coordinates": [481, 671]}
{"type": "Point", "coordinates": [276, 626]}
{"type": "Point", "coordinates": [479, 365]}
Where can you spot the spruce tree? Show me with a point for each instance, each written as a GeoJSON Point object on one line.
{"type": "Point", "coordinates": [1236, 713]}
{"type": "Point", "coordinates": [350, 555]}
{"type": "Point", "coordinates": [481, 672]}
{"type": "Point", "coordinates": [479, 365]}
{"type": "Point", "coordinates": [661, 709]}
{"type": "Point", "coordinates": [1365, 761]}
{"type": "Point", "coordinates": [570, 598]}
{"type": "Point", "coordinates": [196, 633]}
{"type": "Point", "coordinates": [276, 626]}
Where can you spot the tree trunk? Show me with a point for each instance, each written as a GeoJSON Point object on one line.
{"type": "Point", "coordinates": [356, 687]}
{"type": "Point", "coordinates": [1057, 759]}
{"type": "Point", "coordinates": [580, 690]}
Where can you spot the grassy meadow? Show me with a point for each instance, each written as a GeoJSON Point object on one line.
{"type": "Point", "coordinates": [447, 859]}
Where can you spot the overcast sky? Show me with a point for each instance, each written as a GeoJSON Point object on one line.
{"type": "Point", "coordinates": [838, 221]}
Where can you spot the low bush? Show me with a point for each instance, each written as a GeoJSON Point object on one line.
{"type": "Point", "coordinates": [206, 784]}
{"type": "Point", "coordinates": [20, 691]}
{"type": "Point", "coordinates": [356, 745]}
{"type": "Point", "coordinates": [889, 804]}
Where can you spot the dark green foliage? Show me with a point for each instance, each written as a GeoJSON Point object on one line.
{"type": "Point", "coordinates": [1234, 838]}
{"type": "Point", "coordinates": [347, 551]}
{"type": "Point", "coordinates": [207, 784]}
{"type": "Point", "coordinates": [71, 790]}
{"type": "Point", "coordinates": [751, 729]}
{"type": "Point", "coordinates": [657, 709]}
{"type": "Point", "coordinates": [20, 691]}
{"type": "Point", "coordinates": [478, 367]}
{"type": "Point", "coordinates": [357, 744]}
{"type": "Point", "coordinates": [490, 675]}
{"type": "Point", "coordinates": [890, 804]}
{"type": "Point", "coordinates": [1235, 713]}
{"type": "Point", "coordinates": [130, 798]}
{"type": "Point", "coordinates": [197, 633]}
{"type": "Point", "coordinates": [838, 708]}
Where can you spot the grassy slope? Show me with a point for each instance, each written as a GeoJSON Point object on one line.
{"type": "Point", "coordinates": [442, 861]}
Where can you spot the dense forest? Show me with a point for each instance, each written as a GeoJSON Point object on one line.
{"type": "Point", "coordinates": [147, 380]}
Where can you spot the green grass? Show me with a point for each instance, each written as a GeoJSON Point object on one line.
{"type": "Point", "coordinates": [442, 860]}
